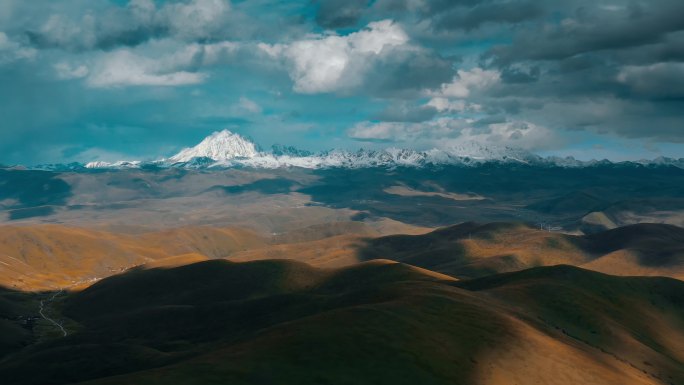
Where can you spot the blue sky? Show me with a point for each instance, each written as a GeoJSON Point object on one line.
{"type": "Point", "coordinates": [85, 80]}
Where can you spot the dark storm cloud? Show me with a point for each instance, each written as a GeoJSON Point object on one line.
{"type": "Point", "coordinates": [471, 18]}
{"type": "Point", "coordinates": [134, 23]}
{"type": "Point", "coordinates": [656, 81]}
{"type": "Point", "coordinates": [340, 13]}
{"type": "Point", "coordinates": [670, 49]}
{"type": "Point", "coordinates": [79, 25]}
{"type": "Point", "coordinates": [404, 73]}
{"type": "Point", "coordinates": [513, 75]}
{"type": "Point", "coordinates": [104, 40]}
{"type": "Point", "coordinates": [590, 63]}
{"type": "Point", "coordinates": [492, 119]}
{"type": "Point", "coordinates": [425, 8]}
{"type": "Point", "coordinates": [594, 29]}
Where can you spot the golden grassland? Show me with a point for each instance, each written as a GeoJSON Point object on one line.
{"type": "Point", "coordinates": [47, 257]}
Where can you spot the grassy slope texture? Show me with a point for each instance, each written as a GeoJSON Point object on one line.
{"type": "Point", "coordinates": [52, 257]}
{"type": "Point", "coordinates": [378, 322]}
{"type": "Point", "coordinates": [471, 250]}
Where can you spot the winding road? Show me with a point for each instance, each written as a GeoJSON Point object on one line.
{"type": "Point", "coordinates": [42, 307]}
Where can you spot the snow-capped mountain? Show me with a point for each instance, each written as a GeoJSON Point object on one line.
{"type": "Point", "coordinates": [280, 150]}
{"type": "Point", "coordinates": [226, 149]}
{"type": "Point", "coordinates": [118, 164]}
{"type": "Point", "coordinates": [219, 146]}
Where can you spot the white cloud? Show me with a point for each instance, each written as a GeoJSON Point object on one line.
{"type": "Point", "coordinates": [330, 63]}
{"type": "Point", "coordinates": [519, 134]}
{"type": "Point", "coordinates": [61, 31]}
{"type": "Point", "coordinates": [448, 132]}
{"type": "Point", "coordinates": [218, 52]}
{"type": "Point", "coordinates": [143, 10]}
{"type": "Point", "coordinates": [158, 63]}
{"type": "Point", "coordinates": [196, 19]}
{"type": "Point", "coordinates": [248, 105]}
{"type": "Point", "coordinates": [432, 133]}
{"type": "Point", "coordinates": [272, 50]}
{"type": "Point", "coordinates": [388, 131]}
{"type": "Point", "coordinates": [449, 105]}
{"type": "Point", "coordinates": [66, 71]}
{"type": "Point", "coordinates": [125, 68]}
{"type": "Point", "coordinates": [467, 81]}
{"type": "Point", "coordinates": [452, 97]}
{"type": "Point", "coordinates": [186, 20]}
{"type": "Point", "coordinates": [11, 50]}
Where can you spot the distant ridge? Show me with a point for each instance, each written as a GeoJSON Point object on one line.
{"type": "Point", "coordinates": [225, 149]}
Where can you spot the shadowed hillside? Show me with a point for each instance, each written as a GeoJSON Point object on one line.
{"type": "Point", "coordinates": [382, 322]}
{"type": "Point", "coordinates": [474, 250]}
{"type": "Point", "coordinates": [276, 200]}
{"type": "Point", "coordinates": [26, 193]}
{"type": "Point", "coordinates": [574, 202]}
{"type": "Point", "coordinates": [14, 333]}
{"type": "Point", "coordinates": [50, 257]}
{"type": "Point", "coordinates": [639, 320]}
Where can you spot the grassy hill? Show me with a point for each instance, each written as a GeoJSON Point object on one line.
{"type": "Point", "coordinates": [473, 250]}
{"type": "Point", "coordinates": [50, 257]}
{"type": "Point", "coordinates": [47, 257]}
{"type": "Point", "coordinates": [378, 322]}
{"type": "Point", "coordinates": [13, 333]}
{"type": "Point", "coordinates": [639, 320]}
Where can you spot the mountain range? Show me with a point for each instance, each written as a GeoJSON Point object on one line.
{"type": "Point", "coordinates": [226, 263]}
{"type": "Point", "coordinates": [225, 149]}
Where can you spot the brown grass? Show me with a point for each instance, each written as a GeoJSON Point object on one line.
{"type": "Point", "coordinates": [47, 257]}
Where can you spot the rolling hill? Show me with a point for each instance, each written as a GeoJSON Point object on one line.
{"type": "Point", "coordinates": [381, 322]}
{"type": "Point", "coordinates": [47, 257]}
{"type": "Point", "coordinates": [50, 257]}
{"type": "Point", "coordinates": [638, 320]}
{"type": "Point", "coordinates": [473, 250]}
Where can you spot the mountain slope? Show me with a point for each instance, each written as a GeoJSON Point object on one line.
{"type": "Point", "coordinates": [221, 145]}
{"type": "Point", "coordinates": [50, 256]}
{"type": "Point", "coordinates": [379, 322]}
{"type": "Point", "coordinates": [474, 250]}
{"type": "Point", "coordinates": [639, 320]}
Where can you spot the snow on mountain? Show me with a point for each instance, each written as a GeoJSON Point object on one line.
{"type": "Point", "coordinates": [219, 146]}
{"type": "Point", "coordinates": [662, 160]}
{"type": "Point", "coordinates": [120, 164]}
{"type": "Point", "coordinates": [225, 149]}
{"type": "Point", "coordinates": [282, 150]}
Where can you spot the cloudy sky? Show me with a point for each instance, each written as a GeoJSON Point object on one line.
{"type": "Point", "coordinates": [84, 80]}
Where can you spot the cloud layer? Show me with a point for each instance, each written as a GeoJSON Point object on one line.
{"type": "Point", "coordinates": [87, 79]}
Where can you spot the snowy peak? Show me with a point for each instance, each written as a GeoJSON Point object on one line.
{"type": "Point", "coordinates": [282, 150]}
{"type": "Point", "coordinates": [119, 164]}
{"type": "Point", "coordinates": [219, 146]}
{"type": "Point", "coordinates": [225, 149]}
